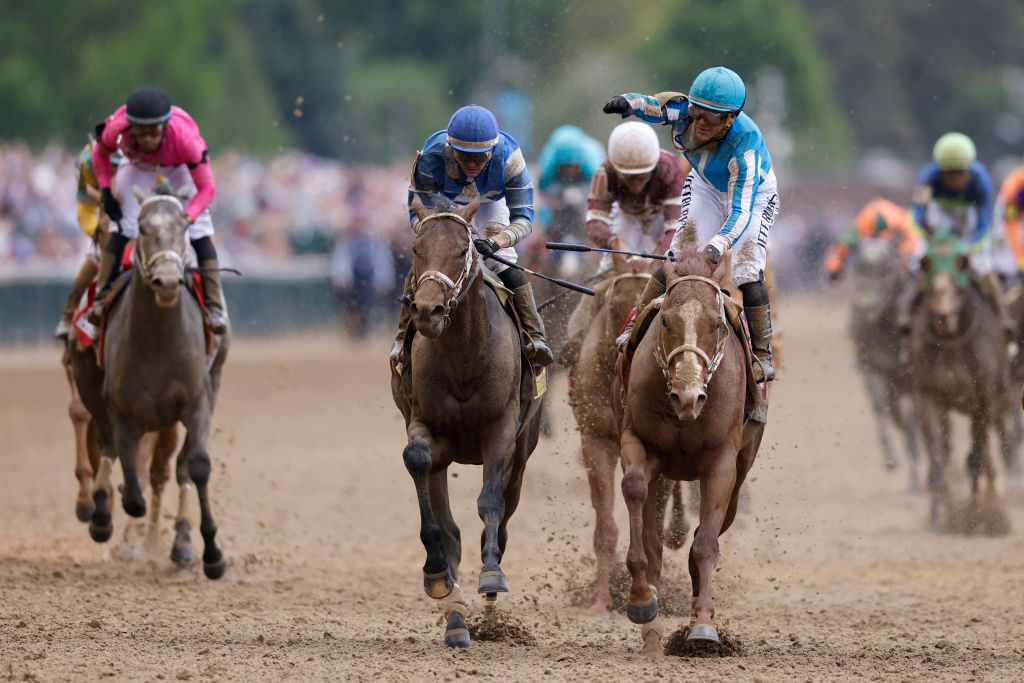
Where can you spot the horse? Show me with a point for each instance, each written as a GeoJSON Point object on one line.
{"type": "Point", "coordinates": [156, 374]}
{"type": "Point", "coordinates": [879, 279]}
{"type": "Point", "coordinates": [958, 361]}
{"type": "Point", "coordinates": [461, 400]}
{"type": "Point", "coordinates": [684, 418]}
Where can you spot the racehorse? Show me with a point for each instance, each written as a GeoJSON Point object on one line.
{"type": "Point", "coordinates": [462, 401]}
{"type": "Point", "coordinates": [684, 417]}
{"type": "Point", "coordinates": [878, 280]}
{"type": "Point", "coordinates": [156, 372]}
{"type": "Point", "coordinates": [958, 359]}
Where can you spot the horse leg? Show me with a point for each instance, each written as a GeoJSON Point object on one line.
{"type": "Point", "coordinates": [181, 550]}
{"type": "Point", "coordinates": [437, 577]}
{"type": "Point", "coordinates": [678, 528]}
{"type": "Point", "coordinates": [1008, 427]}
{"type": "Point", "coordinates": [908, 426]}
{"type": "Point", "coordinates": [159, 474]}
{"type": "Point", "coordinates": [717, 490]}
{"type": "Point", "coordinates": [979, 458]}
{"type": "Point", "coordinates": [499, 462]}
{"type": "Point", "coordinates": [198, 426]}
{"type": "Point", "coordinates": [600, 458]}
{"type": "Point", "coordinates": [638, 470]}
{"type": "Point", "coordinates": [454, 606]}
{"type": "Point", "coordinates": [934, 425]}
{"type": "Point", "coordinates": [881, 407]}
{"type": "Point", "coordinates": [126, 443]}
{"type": "Point", "coordinates": [131, 547]}
{"type": "Point", "coordinates": [654, 523]}
{"type": "Point", "coordinates": [80, 422]}
{"type": "Point", "coordinates": [101, 526]}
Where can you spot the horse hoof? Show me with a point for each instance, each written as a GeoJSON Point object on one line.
{"type": "Point", "coordinates": [642, 612]}
{"type": "Point", "coordinates": [83, 511]}
{"type": "Point", "coordinates": [492, 582]}
{"type": "Point", "coordinates": [704, 633]}
{"type": "Point", "coordinates": [456, 634]}
{"type": "Point", "coordinates": [215, 570]}
{"type": "Point", "coordinates": [99, 533]}
{"type": "Point", "coordinates": [438, 585]}
{"type": "Point", "coordinates": [182, 555]}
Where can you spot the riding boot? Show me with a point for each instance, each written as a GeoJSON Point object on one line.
{"type": "Point", "coordinates": [988, 285]}
{"type": "Point", "coordinates": [110, 268]}
{"type": "Point", "coordinates": [85, 275]}
{"type": "Point", "coordinates": [537, 348]}
{"type": "Point", "coordinates": [213, 295]}
{"type": "Point", "coordinates": [759, 318]}
{"type": "Point", "coordinates": [404, 318]}
{"type": "Point", "coordinates": [655, 288]}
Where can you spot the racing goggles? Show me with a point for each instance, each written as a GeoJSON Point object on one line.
{"type": "Point", "coordinates": [713, 117]}
{"type": "Point", "coordinates": [472, 159]}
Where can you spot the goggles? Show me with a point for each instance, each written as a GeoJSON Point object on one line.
{"type": "Point", "coordinates": [713, 117]}
{"type": "Point", "coordinates": [472, 158]}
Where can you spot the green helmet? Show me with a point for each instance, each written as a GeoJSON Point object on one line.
{"type": "Point", "coordinates": [954, 152]}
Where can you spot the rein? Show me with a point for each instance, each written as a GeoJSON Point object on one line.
{"type": "Point", "coordinates": [146, 264]}
{"type": "Point", "coordinates": [453, 288]}
{"type": "Point", "coordinates": [711, 363]}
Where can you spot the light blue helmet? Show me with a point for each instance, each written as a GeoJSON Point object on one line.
{"type": "Point", "coordinates": [718, 89]}
{"type": "Point", "coordinates": [473, 129]}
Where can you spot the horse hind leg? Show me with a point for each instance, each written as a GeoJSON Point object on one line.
{"type": "Point", "coordinates": [101, 526]}
{"type": "Point", "coordinates": [159, 474]}
{"type": "Point", "coordinates": [437, 577]}
{"type": "Point", "coordinates": [82, 424]}
{"type": "Point", "coordinates": [214, 564]}
{"type": "Point", "coordinates": [678, 527]}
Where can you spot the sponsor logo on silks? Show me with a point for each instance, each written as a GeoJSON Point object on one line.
{"type": "Point", "coordinates": [87, 328]}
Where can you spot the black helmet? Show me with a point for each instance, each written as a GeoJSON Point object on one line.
{"type": "Point", "coordinates": [148, 106]}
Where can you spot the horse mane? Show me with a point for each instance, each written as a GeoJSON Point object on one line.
{"type": "Point", "coordinates": [689, 260]}
{"type": "Point", "coordinates": [441, 204]}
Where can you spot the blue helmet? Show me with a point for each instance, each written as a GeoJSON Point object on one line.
{"type": "Point", "coordinates": [473, 129]}
{"type": "Point", "coordinates": [718, 89]}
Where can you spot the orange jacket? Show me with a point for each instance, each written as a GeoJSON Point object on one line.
{"type": "Point", "coordinates": [1011, 198]}
{"type": "Point", "coordinates": [881, 219]}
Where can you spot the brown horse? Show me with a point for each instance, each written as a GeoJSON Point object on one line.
{"type": "Point", "coordinates": [958, 359]}
{"type": "Point", "coordinates": [684, 418]}
{"type": "Point", "coordinates": [461, 399]}
{"type": "Point", "coordinates": [156, 373]}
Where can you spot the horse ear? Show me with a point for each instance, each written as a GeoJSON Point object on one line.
{"type": "Point", "coordinates": [182, 193]}
{"type": "Point", "coordinates": [419, 209]}
{"type": "Point", "coordinates": [926, 264]}
{"type": "Point", "coordinates": [963, 262]}
{"type": "Point", "coordinates": [139, 194]}
{"type": "Point", "coordinates": [469, 210]}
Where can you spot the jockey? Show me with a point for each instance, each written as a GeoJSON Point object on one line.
{"type": "Point", "coordinates": [730, 194]}
{"type": "Point", "coordinates": [569, 157]}
{"type": "Point", "coordinates": [90, 218]}
{"type": "Point", "coordinates": [1010, 209]}
{"type": "Point", "coordinates": [472, 159]}
{"type": "Point", "coordinates": [157, 139]}
{"type": "Point", "coordinates": [954, 192]}
{"type": "Point", "coordinates": [879, 219]}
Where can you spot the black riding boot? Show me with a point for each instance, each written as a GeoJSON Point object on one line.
{"type": "Point", "coordinates": [404, 317]}
{"type": "Point", "coordinates": [759, 318]}
{"type": "Point", "coordinates": [110, 268]}
{"type": "Point", "coordinates": [213, 294]}
{"type": "Point", "coordinates": [537, 348]}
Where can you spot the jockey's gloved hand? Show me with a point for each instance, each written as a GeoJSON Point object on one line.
{"type": "Point", "coordinates": [487, 248]}
{"type": "Point", "coordinates": [712, 254]}
{"type": "Point", "coordinates": [111, 206]}
{"type": "Point", "coordinates": [618, 105]}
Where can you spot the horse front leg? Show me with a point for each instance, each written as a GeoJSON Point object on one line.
{"type": "Point", "coordinates": [601, 457]}
{"type": "Point", "coordinates": [908, 427]}
{"type": "Point", "coordinates": [419, 461]}
{"type": "Point", "coordinates": [80, 421]}
{"type": "Point", "coordinates": [880, 406]}
{"type": "Point", "coordinates": [638, 472]}
{"type": "Point", "coordinates": [159, 474]}
{"type": "Point", "coordinates": [718, 493]}
{"type": "Point", "coordinates": [126, 443]}
{"type": "Point", "coordinates": [182, 553]}
{"type": "Point", "coordinates": [455, 609]}
{"type": "Point", "coordinates": [499, 462]}
{"type": "Point", "coordinates": [934, 428]}
{"type": "Point", "coordinates": [978, 458]}
{"type": "Point", "coordinates": [199, 465]}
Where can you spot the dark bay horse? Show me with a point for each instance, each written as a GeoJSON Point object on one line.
{"type": "Point", "coordinates": [958, 359]}
{"type": "Point", "coordinates": [878, 280]}
{"type": "Point", "coordinates": [684, 419]}
{"type": "Point", "coordinates": [156, 371]}
{"type": "Point", "coordinates": [461, 403]}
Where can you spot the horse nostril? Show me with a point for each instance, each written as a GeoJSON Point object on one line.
{"type": "Point", "coordinates": [437, 311]}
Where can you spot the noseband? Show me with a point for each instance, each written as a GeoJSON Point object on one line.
{"type": "Point", "coordinates": [145, 263]}
{"type": "Point", "coordinates": [452, 288]}
{"type": "Point", "coordinates": [667, 361]}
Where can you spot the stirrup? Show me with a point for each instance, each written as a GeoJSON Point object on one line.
{"type": "Point", "coordinates": [766, 370]}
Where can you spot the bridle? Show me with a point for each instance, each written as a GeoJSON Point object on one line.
{"type": "Point", "coordinates": [452, 288]}
{"type": "Point", "coordinates": [667, 361]}
{"type": "Point", "coordinates": [145, 263]}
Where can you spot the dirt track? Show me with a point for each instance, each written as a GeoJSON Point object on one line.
{"type": "Point", "coordinates": [832, 576]}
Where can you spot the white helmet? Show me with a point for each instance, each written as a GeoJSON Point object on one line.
{"type": "Point", "coordinates": [633, 148]}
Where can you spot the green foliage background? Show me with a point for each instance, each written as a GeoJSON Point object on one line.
{"type": "Point", "coordinates": [368, 81]}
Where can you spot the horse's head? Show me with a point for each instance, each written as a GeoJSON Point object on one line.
{"type": "Point", "coordinates": [621, 296]}
{"type": "Point", "coordinates": [876, 278]}
{"type": "Point", "coordinates": [946, 272]}
{"type": "Point", "coordinates": [444, 263]}
{"type": "Point", "coordinates": [693, 329]}
{"type": "Point", "coordinates": [162, 243]}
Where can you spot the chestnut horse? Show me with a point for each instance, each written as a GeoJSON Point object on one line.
{"type": "Point", "coordinates": [684, 418]}
{"type": "Point", "coordinates": [461, 400]}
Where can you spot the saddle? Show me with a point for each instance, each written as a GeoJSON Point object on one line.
{"type": "Point", "coordinates": [756, 408]}
{"type": "Point", "coordinates": [534, 380]}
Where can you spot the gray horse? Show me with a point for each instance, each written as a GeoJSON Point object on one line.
{"type": "Point", "coordinates": [958, 360]}
{"type": "Point", "coordinates": [157, 371]}
{"type": "Point", "coordinates": [878, 280]}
